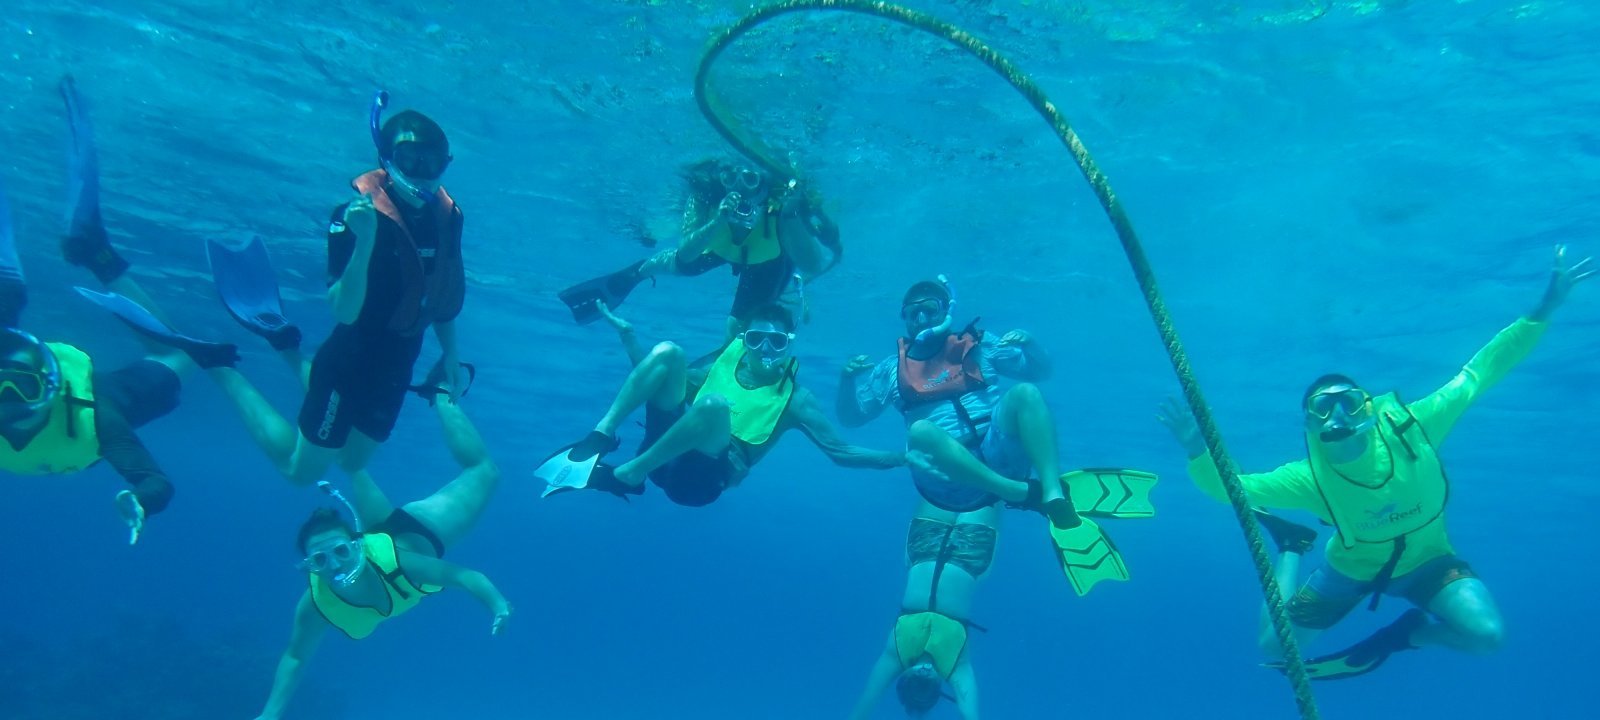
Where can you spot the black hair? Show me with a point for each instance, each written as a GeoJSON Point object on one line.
{"type": "Point", "coordinates": [13, 342]}
{"type": "Point", "coordinates": [772, 313]}
{"type": "Point", "coordinates": [322, 520]}
{"type": "Point", "coordinates": [421, 127]}
{"type": "Point", "coordinates": [1326, 381]}
{"type": "Point", "coordinates": [926, 288]}
{"type": "Point", "coordinates": [918, 692]}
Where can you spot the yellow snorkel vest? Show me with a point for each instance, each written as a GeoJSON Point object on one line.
{"type": "Point", "coordinates": [753, 412]}
{"type": "Point", "coordinates": [67, 443]}
{"type": "Point", "coordinates": [1393, 523]}
{"type": "Point", "coordinates": [359, 622]}
{"type": "Point", "coordinates": [928, 633]}
{"type": "Point", "coordinates": [757, 246]}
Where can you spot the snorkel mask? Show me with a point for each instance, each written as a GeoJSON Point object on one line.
{"type": "Point", "coordinates": [747, 195]}
{"type": "Point", "coordinates": [24, 388]}
{"type": "Point", "coordinates": [341, 563]}
{"type": "Point", "coordinates": [949, 314]}
{"type": "Point", "coordinates": [415, 173]}
{"type": "Point", "coordinates": [770, 346]}
{"type": "Point", "coordinates": [919, 688]}
{"type": "Point", "coordinates": [1339, 412]}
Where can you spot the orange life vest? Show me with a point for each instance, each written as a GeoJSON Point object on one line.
{"type": "Point", "coordinates": [947, 375]}
{"type": "Point", "coordinates": [429, 297]}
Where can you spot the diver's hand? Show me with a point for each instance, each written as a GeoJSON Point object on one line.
{"type": "Point", "coordinates": [132, 513]}
{"type": "Point", "coordinates": [362, 219]}
{"type": "Point", "coordinates": [623, 327]}
{"type": "Point", "coordinates": [456, 384]}
{"type": "Point", "coordinates": [502, 615]}
{"type": "Point", "coordinates": [921, 463]}
{"type": "Point", "coordinates": [1015, 338]}
{"type": "Point", "coordinates": [729, 203]}
{"type": "Point", "coordinates": [1562, 277]}
{"type": "Point", "coordinates": [857, 365]}
{"type": "Point", "coordinates": [1182, 426]}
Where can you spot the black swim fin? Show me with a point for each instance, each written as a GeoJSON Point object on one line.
{"type": "Point", "coordinates": [1290, 537]}
{"type": "Point", "coordinates": [205, 354]}
{"type": "Point", "coordinates": [1367, 655]}
{"type": "Point", "coordinates": [249, 289]}
{"type": "Point", "coordinates": [584, 298]}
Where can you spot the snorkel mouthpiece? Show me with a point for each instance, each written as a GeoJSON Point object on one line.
{"type": "Point", "coordinates": [380, 101]}
{"type": "Point", "coordinates": [949, 314]}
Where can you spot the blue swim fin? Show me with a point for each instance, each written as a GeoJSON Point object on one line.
{"type": "Point", "coordinates": [86, 243]}
{"type": "Point", "coordinates": [249, 289]}
{"type": "Point", "coordinates": [205, 354]}
{"type": "Point", "coordinates": [13, 286]}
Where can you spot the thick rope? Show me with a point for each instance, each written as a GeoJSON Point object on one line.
{"type": "Point", "coordinates": [1131, 246]}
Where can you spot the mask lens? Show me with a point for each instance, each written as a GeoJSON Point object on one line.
{"type": "Point", "coordinates": [420, 162]}
{"type": "Point", "coordinates": [776, 341]}
{"type": "Point", "coordinates": [930, 306]}
{"type": "Point", "coordinates": [741, 180]}
{"type": "Point", "coordinates": [21, 385]}
{"type": "Point", "coordinates": [1348, 401]}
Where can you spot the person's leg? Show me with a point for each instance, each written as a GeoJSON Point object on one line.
{"type": "Point", "coordinates": [705, 428]}
{"type": "Point", "coordinates": [661, 379]}
{"type": "Point", "coordinates": [1022, 414]}
{"type": "Point", "coordinates": [1470, 620]}
{"type": "Point", "coordinates": [1325, 598]}
{"type": "Point", "coordinates": [452, 511]}
{"type": "Point", "coordinates": [957, 462]}
{"type": "Point", "coordinates": [290, 451]}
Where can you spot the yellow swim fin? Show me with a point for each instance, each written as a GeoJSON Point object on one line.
{"type": "Point", "coordinates": [1087, 556]}
{"type": "Point", "coordinates": [1111, 492]}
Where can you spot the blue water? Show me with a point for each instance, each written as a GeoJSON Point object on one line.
{"type": "Point", "coordinates": [1372, 187]}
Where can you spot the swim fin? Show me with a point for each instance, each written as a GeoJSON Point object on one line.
{"type": "Point", "coordinates": [249, 289]}
{"type": "Point", "coordinates": [1289, 536]}
{"type": "Point", "coordinates": [1365, 656]}
{"type": "Point", "coordinates": [570, 467]}
{"type": "Point", "coordinates": [13, 285]}
{"type": "Point", "coordinates": [432, 385]}
{"type": "Point", "coordinates": [85, 243]}
{"type": "Point", "coordinates": [205, 354]}
{"type": "Point", "coordinates": [1087, 556]}
{"type": "Point", "coordinates": [1111, 492]}
{"type": "Point", "coordinates": [584, 298]}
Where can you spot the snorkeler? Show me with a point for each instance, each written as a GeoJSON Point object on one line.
{"type": "Point", "coordinates": [59, 411]}
{"type": "Point", "coordinates": [987, 442]}
{"type": "Point", "coordinates": [705, 429]}
{"type": "Point", "coordinates": [1373, 472]}
{"type": "Point", "coordinates": [394, 269]}
{"type": "Point", "coordinates": [382, 561]}
{"type": "Point", "coordinates": [770, 236]}
{"type": "Point", "coordinates": [947, 553]}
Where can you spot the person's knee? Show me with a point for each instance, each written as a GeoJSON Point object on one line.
{"type": "Point", "coordinates": [925, 435]}
{"type": "Point", "coordinates": [711, 410]}
{"type": "Point", "coordinates": [1486, 634]}
{"type": "Point", "coordinates": [667, 354]}
{"type": "Point", "coordinates": [1025, 393]}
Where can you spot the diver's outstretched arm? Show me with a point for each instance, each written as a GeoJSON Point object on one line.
{"type": "Point", "coordinates": [433, 571]}
{"type": "Point", "coordinates": [883, 673]}
{"type": "Point", "coordinates": [303, 641]}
